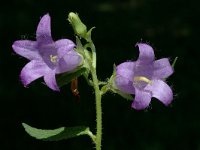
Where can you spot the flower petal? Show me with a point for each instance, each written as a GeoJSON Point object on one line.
{"type": "Point", "coordinates": [70, 61]}
{"type": "Point", "coordinates": [50, 80]}
{"type": "Point", "coordinates": [124, 85]}
{"type": "Point", "coordinates": [145, 70]}
{"type": "Point", "coordinates": [27, 49]}
{"type": "Point", "coordinates": [63, 46]}
{"type": "Point", "coordinates": [162, 69]}
{"type": "Point", "coordinates": [161, 91]}
{"type": "Point", "coordinates": [126, 70]}
{"type": "Point", "coordinates": [142, 99]}
{"type": "Point", "coordinates": [43, 33]}
{"type": "Point", "coordinates": [146, 53]}
{"type": "Point", "coordinates": [32, 71]}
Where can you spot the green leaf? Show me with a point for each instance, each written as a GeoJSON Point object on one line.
{"type": "Point", "coordinates": [56, 134]}
{"type": "Point", "coordinates": [65, 78]}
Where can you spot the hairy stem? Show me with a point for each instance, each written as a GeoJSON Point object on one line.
{"type": "Point", "coordinates": [97, 98]}
{"type": "Point", "coordinates": [98, 110]}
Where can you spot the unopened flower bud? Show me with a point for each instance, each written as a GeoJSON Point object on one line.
{"type": "Point", "coordinates": [79, 28]}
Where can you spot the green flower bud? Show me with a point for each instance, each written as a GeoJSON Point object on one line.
{"type": "Point", "coordinates": [79, 28]}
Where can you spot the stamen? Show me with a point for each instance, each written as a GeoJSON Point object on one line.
{"type": "Point", "coordinates": [142, 78]}
{"type": "Point", "coordinates": [53, 58]}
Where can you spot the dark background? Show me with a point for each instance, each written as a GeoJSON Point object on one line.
{"type": "Point", "coordinates": [171, 27]}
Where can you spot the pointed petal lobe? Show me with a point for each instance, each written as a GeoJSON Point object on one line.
{"type": "Point", "coordinates": [142, 99]}
{"type": "Point", "coordinates": [162, 69]}
{"type": "Point", "coordinates": [161, 91]}
{"type": "Point", "coordinates": [43, 33]}
{"type": "Point", "coordinates": [27, 49]}
{"type": "Point", "coordinates": [32, 71]}
{"type": "Point", "coordinates": [146, 54]}
{"type": "Point", "coordinates": [50, 80]}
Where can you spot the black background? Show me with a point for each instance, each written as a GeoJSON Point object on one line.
{"type": "Point", "coordinates": [171, 27]}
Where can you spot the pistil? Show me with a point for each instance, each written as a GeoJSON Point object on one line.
{"type": "Point", "coordinates": [142, 78]}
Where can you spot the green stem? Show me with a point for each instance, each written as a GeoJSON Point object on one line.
{"type": "Point", "coordinates": [97, 97]}
{"type": "Point", "coordinates": [98, 110]}
{"type": "Point", "coordinates": [91, 135]}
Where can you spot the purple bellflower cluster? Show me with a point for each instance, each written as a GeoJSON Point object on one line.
{"type": "Point", "coordinates": [145, 78]}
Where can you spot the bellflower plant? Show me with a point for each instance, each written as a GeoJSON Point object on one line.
{"type": "Point", "coordinates": [62, 61]}
{"type": "Point", "coordinates": [47, 58]}
{"type": "Point", "coordinates": [145, 78]}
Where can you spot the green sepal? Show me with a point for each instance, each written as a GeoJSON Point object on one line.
{"type": "Point", "coordinates": [56, 134]}
{"type": "Point", "coordinates": [174, 62]}
{"type": "Point", "coordinates": [84, 52]}
{"type": "Point", "coordinates": [89, 34]}
{"type": "Point", "coordinates": [65, 78]}
{"type": "Point", "coordinates": [124, 95]}
{"type": "Point", "coordinates": [79, 47]}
